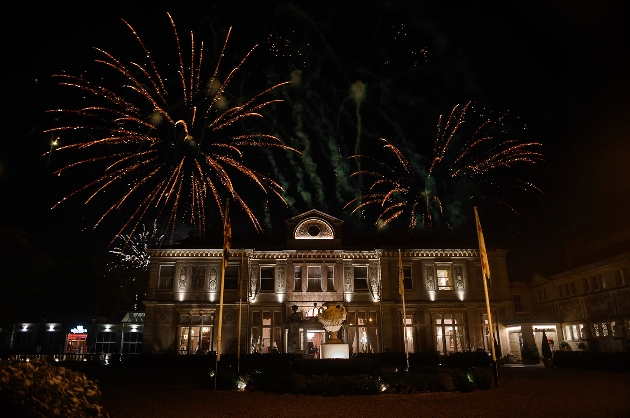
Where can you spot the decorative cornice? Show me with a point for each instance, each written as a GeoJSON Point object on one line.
{"type": "Point", "coordinates": [302, 254]}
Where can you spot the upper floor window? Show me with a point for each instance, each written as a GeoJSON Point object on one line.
{"type": "Point", "coordinates": [230, 281]}
{"type": "Point", "coordinates": [267, 279]}
{"type": "Point", "coordinates": [542, 294]}
{"type": "Point", "coordinates": [585, 283]}
{"type": "Point", "coordinates": [597, 283]}
{"type": "Point", "coordinates": [407, 283]}
{"type": "Point", "coordinates": [621, 277]}
{"type": "Point", "coordinates": [573, 288]}
{"type": "Point", "coordinates": [314, 278]}
{"type": "Point", "coordinates": [560, 291]}
{"type": "Point", "coordinates": [165, 282]}
{"type": "Point", "coordinates": [297, 278]}
{"type": "Point", "coordinates": [330, 284]}
{"type": "Point", "coordinates": [360, 278]}
{"type": "Point", "coordinates": [445, 281]}
{"type": "Point", "coordinates": [519, 304]}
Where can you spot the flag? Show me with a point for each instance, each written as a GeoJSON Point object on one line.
{"type": "Point", "coordinates": [401, 276]}
{"type": "Point", "coordinates": [227, 234]}
{"type": "Point", "coordinates": [485, 268]}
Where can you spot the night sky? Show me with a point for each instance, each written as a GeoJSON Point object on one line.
{"type": "Point", "coordinates": [560, 69]}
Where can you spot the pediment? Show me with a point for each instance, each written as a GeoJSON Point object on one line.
{"type": "Point", "coordinates": [538, 280]}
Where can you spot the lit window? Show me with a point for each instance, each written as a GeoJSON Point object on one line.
{"type": "Point", "coordinates": [266, 332]}
{"type": "Point", "coordinates": [165, 281]}
{"type": "Point", "coordinates": [448, 332]}
{"type": "Point", "coordinates": [445, 281]}
{"type": "Point", "coordinates": [267, 281]}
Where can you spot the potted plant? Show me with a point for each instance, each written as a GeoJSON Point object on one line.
{"type": "Point", "coordinates": [564, 346]}
{"type": "Point", "coordinates": [582, 346]}
{"type": "Point", "coordinates": [546, 352]}
{"type": "Point", "coordinates": [530, 354]}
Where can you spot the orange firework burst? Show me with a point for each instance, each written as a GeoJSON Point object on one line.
{"type": "Point", "coordinates": [476, 165]}
{"type": "Point", "coordinates": [169, 141]}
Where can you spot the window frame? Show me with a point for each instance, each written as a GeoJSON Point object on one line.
{"type": "Point", "coordinates": [444, 267]}
{"type": "Point", "coordinates": [267, 280]}
{"type": "Point", "coordinates": [164, 287]}
{"type": "Point", "coordinates": [522, 302]}
{"type": "Point", "coordinates": [361, 280]}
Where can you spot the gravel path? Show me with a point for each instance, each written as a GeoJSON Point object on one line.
{"type": "Point", "coordinates": [530, 391]}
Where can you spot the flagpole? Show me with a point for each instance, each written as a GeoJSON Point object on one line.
{"type": "Point", "coordinates": [401, 290]}
{"type": "Point", "coordinates": [240, 303]}
{"type": "Point", "coordinates": [227, 234]}
{"type": "Point", "coordinates": [485, 270]}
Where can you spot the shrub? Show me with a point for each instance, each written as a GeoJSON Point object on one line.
{"type": "Point", "coordinates": [445, 382]}
{"type": "Point", "coordinates": [40, 389]}
{"type": "Point", "coordinates": [483, 377]}
{"type": "Point", "coordinates": [529, 351]}
{"type": "Point", "coordinates": [544, 346]}
{"type": "Point", "coordinates": [563, 344]}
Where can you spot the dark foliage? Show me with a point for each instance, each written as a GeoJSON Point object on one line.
{"type": "Point", "coordinates": [591, 360]}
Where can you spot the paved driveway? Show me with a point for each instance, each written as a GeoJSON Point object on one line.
{"type": "Point", "coordinates": [524, 391]}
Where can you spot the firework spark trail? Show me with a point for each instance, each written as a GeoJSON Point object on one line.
{"type": "Point", "coordinates": [172, 146]}
{"type": "Point", "coordinates": [400, 191]}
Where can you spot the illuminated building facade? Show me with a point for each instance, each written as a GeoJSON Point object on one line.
{"type": "Point", "coordinates": [588, 305]}
{"type": "Point", "coordinates": [282, 290]}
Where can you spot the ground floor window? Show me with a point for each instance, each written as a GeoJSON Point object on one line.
{"type": "Point", "coordinates": [76, 344]}
{"type": "Point", "coordinates": [409, 333]}
{"type": "Point", "coordinates": [54, 342]}
{"type": "Point", "coordinates": [132, 343]}
{"type": "Point", "coordinates": [266, 332]}
{"type": "Point", "coordinates": [23, 341]}
{"type": "Point", "coordinates": [105, 342]}
{"type": "Point", "coordinates": [574, 332]}
{"type": "Point", "coordinates": [362, 332]}
{"type": "Point", "coordinates": [193, 340]}
{"type": "Point", "coordinates": [448, 332]}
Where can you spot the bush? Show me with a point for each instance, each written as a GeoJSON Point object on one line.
{"type": "Point", "coordinates": [589, 360]}
{"type": "Point", "coordinates": [529, 351]}
{"type": "Point", "coordinates": [42, 390]}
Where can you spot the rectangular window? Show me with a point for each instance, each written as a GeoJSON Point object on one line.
{"type": "Point", "coordinates": [297, 279]}
{"type": "Point", "coordinates": [448, 332]}
{"type": "Point", "coordinates": [596, 283]}
{"type": "Point", "coordinates": [165, 282]}
{"type": "Point", "coordinates": [567, 332]}
{"type": "Point", "coordinates": [132, 343]}
{"type": "Point", "coordinates": [105, 342]}
{"type": "Point", "coordinates": [544, 293]}
{"type": "Point", "coordinates": [314, 278]}
{"type": "Point", "coordinates": [362, 332]}
{"type": "Point", "coordinates": [360, 278]}
{"type": "Point", "coordinates": [266, 332]}
{"type": "Point", "coordinates": [560, 291]}
{"type": "Point", "coordinates": [587, 287]}
{"type": "Point", "coordinates": [231, 277]}
{"type": "Point", "coordinates": [519, 304]}
{"type": "Point", "coordinates": [330, 283]}
{"type": "Point", "coordinates": [620, 277]}
{"type": "Point", "coordinates": [566, 289]}
{"type": "Point", "coordinates": [445, 282]}
{"type": "Point", "coordinates": [407, 283]}
{"type": "Point", "coordinates": [573, 288]}
{"type": "Point", "coordinates": [267, 282]}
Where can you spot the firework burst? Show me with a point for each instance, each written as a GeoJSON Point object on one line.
{"type": "Point", "coordinates": [465, 165]}
{"type": "Point", "coordinates": [170, 142]}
